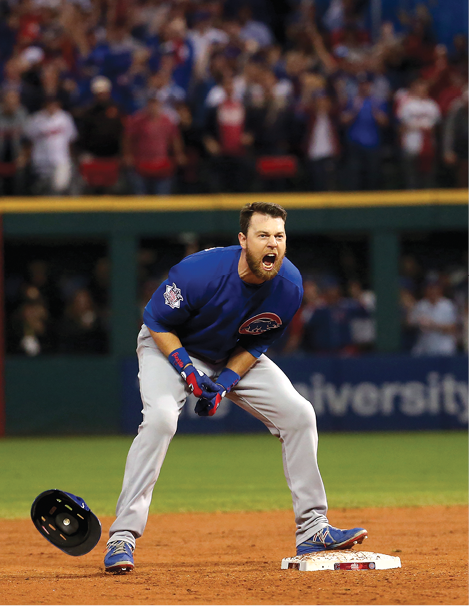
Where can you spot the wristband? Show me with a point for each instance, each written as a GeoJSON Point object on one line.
{"type": "Point", "coordinates": [228, 379]}
{"type": "Point", "coordinates": [179, 358]}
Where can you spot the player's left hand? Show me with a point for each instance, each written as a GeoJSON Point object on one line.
{"type": "Point", "coordinates": [207, 407]}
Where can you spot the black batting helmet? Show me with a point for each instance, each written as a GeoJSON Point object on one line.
{"type": "Point", "coordinates": [66, 521]}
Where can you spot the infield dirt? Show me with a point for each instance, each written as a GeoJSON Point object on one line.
{"type": "Point", "coordinates": [234, 558]}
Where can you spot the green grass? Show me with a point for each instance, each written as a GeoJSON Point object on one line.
{"type": "Point", "coordinates": [240, 472]}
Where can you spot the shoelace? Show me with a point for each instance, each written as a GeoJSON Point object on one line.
{"type": "Point", "coordinates": [320, 536]}
{"type": "Point", "coordinates": [119, 547]}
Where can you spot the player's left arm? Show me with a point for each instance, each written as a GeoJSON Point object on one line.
{"type": "Point", "coordinates": [240, 361]}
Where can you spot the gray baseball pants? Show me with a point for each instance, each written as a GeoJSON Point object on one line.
{"type": "Point", "coordinates": [264, 391]}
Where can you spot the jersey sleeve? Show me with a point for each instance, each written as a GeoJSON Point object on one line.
{"type": "Point", "coordinates": [174, 300]}
{"type": "Point", "coordinates": [259, 344]}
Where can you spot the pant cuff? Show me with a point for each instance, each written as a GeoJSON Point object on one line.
{"type": "Point", "coordinates": [322, 522]}
{"type": "Point", "coordinates": [125, 535]}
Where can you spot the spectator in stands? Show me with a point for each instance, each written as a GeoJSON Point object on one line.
{"type": "Point", "coordinates": [40, 284]}
{"type": "Point", "coordinates": [269, 117]}
{"type": "Point", "coordinates": [12, 158]}
{"type": "Point", "coordinates": [100, 125]}
{"type": "Point", "coordinates": [457, 83]}
{"type": "Point", "coordinates": [419, 116]}
{"type": "Point", "coordinates": [100, 287]}
{"type": "Point", "coordinates": [458, 58]}
{"type": "Point", "coordinates": [227, 140]}
{"type": "Point", "coordinates": [407, 303]}
{"type": "Point", "coordinates": [151, 146]}
{"type": "Point", "coordinates": [30, 92]}
{"type": "Point", "coordinates": [205, 39]}
{"type": "Point", "coordinates": [162, 83]}
{"type": "Point", "coordinates": [296, 329]}
{"type": "Point", "coordinates": [29, 332]}
{"type": "Point", "coordinates": [255, 34]}
{"type": "Point", "coordinates": [51, 132]}
{"type": "Point", "coordinates": [364, 116]}
{"type": "Point", "coordinates": [322, 143]}
{"type": "Point", "coordinates": [130, 89]}
{"type": "Point", "coordinates": [174, 42]}
{"type": "Point", "coordinates": [80, 331]}
{"type": "Point", "coordinates": [56, 83]}
{"type": "Point", "coordinates": [436, 318]}
{"type": "Point", "coordinates": [362, 307]}
{"type": "Point", "coordinates": [190, 179]}
{"type": "Point", "coordinates": [328, 330]}
{"type": "Point", "coordinates": [455, 138]}
{"type": "Point", "coordinates": [438, 74]}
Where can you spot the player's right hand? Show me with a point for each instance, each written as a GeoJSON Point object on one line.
{"type": "Point", "coordinates": [198, 382]}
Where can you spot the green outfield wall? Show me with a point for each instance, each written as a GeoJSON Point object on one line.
{"type": "Point", "coordinates": [85, 392]}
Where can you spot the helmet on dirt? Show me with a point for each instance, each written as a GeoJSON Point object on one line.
{"type": "Point", "coordinates": [66, 521]}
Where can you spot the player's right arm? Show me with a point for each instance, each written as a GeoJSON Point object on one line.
{"type": "Point", "coordinates": [166, 342]}
{"type": "Point", "coordinates": [170, 305]}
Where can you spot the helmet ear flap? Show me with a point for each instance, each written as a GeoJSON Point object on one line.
{"type": "Point", "coordinates": [66, 521]}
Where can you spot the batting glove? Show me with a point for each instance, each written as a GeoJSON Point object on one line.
{"type": "Point", "coordinates": [207, 407]}
{"type": "Point", "coordinates": [197, 381]}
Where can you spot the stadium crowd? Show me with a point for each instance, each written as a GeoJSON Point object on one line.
{"type": "Point", "coordinates": [188, 96]}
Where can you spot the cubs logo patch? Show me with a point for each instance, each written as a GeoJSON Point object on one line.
{"type": "Point", "coordinates": [172, 296]}
{"type": "Point", "coordinates": [260, 323]}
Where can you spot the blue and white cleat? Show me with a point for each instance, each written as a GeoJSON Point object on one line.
{"type": "Point", "coordinates": [119, 558]}
{"type": "Point", "coordinates": [330, 537]}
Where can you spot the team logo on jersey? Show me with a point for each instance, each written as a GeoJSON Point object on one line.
{"type": "Point", "coordinates": [260, 323]}
{"type": "Point", "coordinates": [172, 296]}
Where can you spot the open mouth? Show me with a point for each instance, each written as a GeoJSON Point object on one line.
{"type": "Point", "coordinates": [268, 261]}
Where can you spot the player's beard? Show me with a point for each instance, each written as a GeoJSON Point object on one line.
{"type": "Point", "coordinates": [255, 265]}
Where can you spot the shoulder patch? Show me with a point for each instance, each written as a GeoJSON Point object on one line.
{"type": "Point", "coordinates": [172, 296]}
{"type": "Point", "coordinates": [260, 323]}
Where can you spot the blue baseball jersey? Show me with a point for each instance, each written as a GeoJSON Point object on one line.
{"type": "Point", "coordinates": [212, 310]}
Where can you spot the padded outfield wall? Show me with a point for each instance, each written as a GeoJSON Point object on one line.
{"type": "Point", "coordinates": [71, 394]}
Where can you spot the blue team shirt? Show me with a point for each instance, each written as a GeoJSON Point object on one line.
{"type": "Point", "coordinates": [365, 130]}
{"type": "Point", "coordinates": [212, 310]}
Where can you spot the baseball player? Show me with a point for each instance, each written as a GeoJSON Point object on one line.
{"type": "Point", "coordinates": [206, 330]}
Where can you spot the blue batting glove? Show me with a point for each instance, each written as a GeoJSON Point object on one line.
{"type": "Point", "coordinates": [207, 407]}
{"type": "Point", "coordinates": [198, 382]}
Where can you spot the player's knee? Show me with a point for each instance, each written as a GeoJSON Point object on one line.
{"type": "Point", "coordinates": [163, 421]}
{"type": "Point", "coordinates": [302, 416]}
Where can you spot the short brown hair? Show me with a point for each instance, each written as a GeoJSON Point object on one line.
{"type": "Point", "coordinates": [264, 208]}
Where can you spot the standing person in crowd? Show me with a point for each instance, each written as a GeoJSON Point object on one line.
{"type": "Point", "coordinates": [269, 116]}
{"type": "Point", "coordinates": [328, 330]}
{"type": "Point", "coordinates": [455, 139]}
{"type": "Point", "coordinates": [322, 144]}
{"type": "Point", "coordinates": [363, 117]}
{"type": "Point", "coordinates": [253, 31]}
{"type": "Point", "coordinates": [311, 301]}
{"type": "Point", "coordinates": [161, 82]}
{"type": "Point", "coordinates": [435, 316]}
{"type": "Point", "coordinates": [227, 141]}
{"type": "Point", "coordinates": [205, 38]}
{"type": "Point", "coordinates": [29, 333]}
{"type": "Point", "coordinates": [419, 116]}
{"type": "Point", "coordinates": [152, 143]}
{"type": "Point", "coordinates": [51, 132]}
{"type": "Point", "coordinates": [100, 124]}
{"type": "Point", "coordinates": [80, 330]}
{"type": "Point", "coordinates": [12, 158]}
